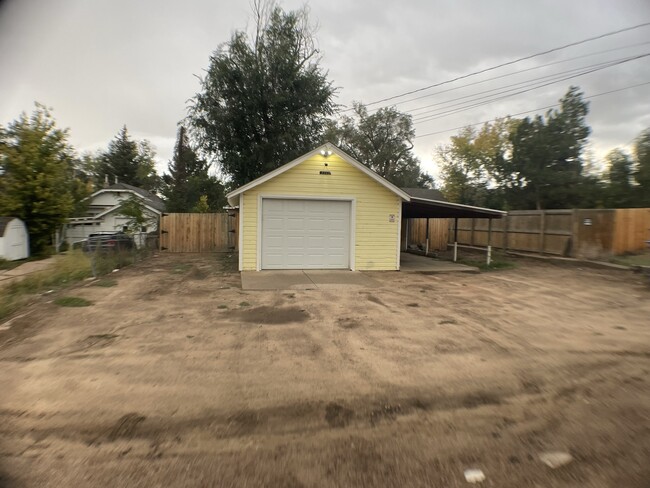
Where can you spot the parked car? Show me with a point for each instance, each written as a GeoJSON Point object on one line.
{"type": "Point", "coordinates": [108, 242]}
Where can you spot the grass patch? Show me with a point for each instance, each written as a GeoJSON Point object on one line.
{"type": "Point", "coordinates": [105, 283]}
{"type": "Point", "coordinates": [496, 265]}
{"type": "Point", "coordinates": [632, 259]}
{"type": "Point", "coordinates": [72, 302]}
{"type": "Point", "coordinates": [222, 306]}
{"type": "Point", "coordinates": [7, 265]}
{"type": "Point", "coordinates": [244, 304]}
{"type": "Point", "coordinates": [499, 261]}
{"type": "Point", "coordinates": [67, 269]}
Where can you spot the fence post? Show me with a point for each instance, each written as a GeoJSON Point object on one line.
{"type": "Point", "coordinates": [504, 242]}
{"type": "Point", "coordinates": [542, 230]}
{"type": "Point", "coordinates": [160, 221]}
{"type": "Point", "coordinates": [489, 242]}
{"type": "Point", "coordinates": [471, 239]}
{"type": "Point", "coordinates": [575, 229]}
{"type": "Point", "coordinates": [455, 239]}
{"type": "Point", "coordinates": [426, 252]}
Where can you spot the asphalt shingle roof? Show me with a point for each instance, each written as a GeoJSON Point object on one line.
{"type": "Point", "coordinates": [426, 193]}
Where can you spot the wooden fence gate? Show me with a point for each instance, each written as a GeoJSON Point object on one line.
{"type": "Point", "coordinates": [199, 232]}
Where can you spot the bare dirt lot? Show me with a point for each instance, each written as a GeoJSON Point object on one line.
{"type": "Point", "coordinates": [177, 377]}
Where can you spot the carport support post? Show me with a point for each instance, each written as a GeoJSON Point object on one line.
{"type": "Point", "coordinates": [455, 239]}
{"type": "Point", "coordinates": [489, 247]}
{"type": "Point", "coordinates": [426, 253]}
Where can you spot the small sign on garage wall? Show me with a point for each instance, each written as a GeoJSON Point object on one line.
{"type": "Point", "coordinates": [391, 217]}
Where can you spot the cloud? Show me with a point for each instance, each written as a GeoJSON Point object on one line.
{"type": "Point", "coordinates": [103, 64]}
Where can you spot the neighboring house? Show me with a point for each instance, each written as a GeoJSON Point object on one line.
{"type": "Point", "coordinates": [103, 212]}
{"type": "Point", "coordinates": [325, 210]}
{"type": "Point", "coordinates": [14, 239]}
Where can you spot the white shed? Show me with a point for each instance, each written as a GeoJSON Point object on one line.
{"type": "Point", "coordinates": [14, 239]}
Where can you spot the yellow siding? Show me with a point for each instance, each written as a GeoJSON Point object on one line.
{"type": "Point", "coordinates": [376, 239]}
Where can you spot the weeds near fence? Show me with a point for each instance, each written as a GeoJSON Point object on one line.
{"type": "Point", "coordinates": [67, 269]}
{"type": "Point", "coordinates": [478, 260]}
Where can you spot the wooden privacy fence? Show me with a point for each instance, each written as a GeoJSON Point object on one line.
{"type": "Point", "coordinates": [631, 229]}
{"type": "Point", "coordinates": [414, 233]}
{"type": "Point", "coordinates": [198, 232]}
{"type": "Point", "coordinates": [581, 233]}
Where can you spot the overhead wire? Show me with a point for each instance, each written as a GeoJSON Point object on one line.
{"type": "Point", "coordinates": [445, 112]}
{"type": "Point", "coordinates": [530, 81]}
{"type": "Point", "coordinates": [529, 111]}
{"type": "Point", "coordinates": [508, 63]}
{"type": "Point", "coordinates": [514, 73]}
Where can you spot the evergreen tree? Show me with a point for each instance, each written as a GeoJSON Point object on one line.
{"type": "Point", "coordinates": [129, 161]}
{"type": "Point", "coordinates": [37, 180]}
{"type": "Point", "coordinates": [189, 179]}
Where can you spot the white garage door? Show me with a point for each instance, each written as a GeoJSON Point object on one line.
{"type": "Point", "coordinates": [305, 234]}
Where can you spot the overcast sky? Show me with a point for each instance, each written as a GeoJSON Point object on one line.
{"type": "Point", "coordinates": [101, 64]}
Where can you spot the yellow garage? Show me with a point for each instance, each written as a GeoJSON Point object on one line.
{"type": "Point", "coordinates": [324, 210]}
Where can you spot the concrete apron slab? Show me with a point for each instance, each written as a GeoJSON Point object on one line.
{"type": "Point", "coordinates": [304, 279]}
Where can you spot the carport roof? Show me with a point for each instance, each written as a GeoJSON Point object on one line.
{"type": "Point", "coordinates": [422, 208]}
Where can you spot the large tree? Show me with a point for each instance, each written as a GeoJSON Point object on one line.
{"type": "Point", "coordinates": [642, 173]}
{"type": "Point", "coordinates": [383, 141]}
{"type": "Point", "coordinates": [129, 162]}
{"type": "Point", "coordinates": [264, 99]}
{"type": "Point", "coordinates": [37, 175]}
{"type": "Point", "coordinates": [189, 180]}
{"type": "Point", "coordinates": [619, 188]}
{"type": "Point", "coordinates": [473, 166]}
{"type": "Point", "coordinates": [546, 161]}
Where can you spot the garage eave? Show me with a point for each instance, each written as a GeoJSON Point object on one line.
{"type": "Point", "coordinates": [424, 208]}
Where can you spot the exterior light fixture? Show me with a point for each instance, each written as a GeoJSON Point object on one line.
{"type": "Point", "coordinates": [325, 153]}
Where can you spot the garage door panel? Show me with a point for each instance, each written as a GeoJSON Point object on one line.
{"type": "Point", "coordinates": [316, 224]}
{"type": "Point", "coordinates": [305, 234]}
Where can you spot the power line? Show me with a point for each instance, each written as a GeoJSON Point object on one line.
{"type": "Point", "coordinates": [531, 81]}
{"type": "Point", "coordinates": [529, 111]}
{"type": "Point", "coordinates": [508, 63]}
{"type": "Point", "coordinates": [486, 102]}
{"type": "Point", "coordinates": [517, 73]}
{"type": "Point", "coordinates": [428, 95]}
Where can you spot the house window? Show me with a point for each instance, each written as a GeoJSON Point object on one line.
{"type": "Point", "coordinates": [124, 228]}
{"type": "Point", "coordinates": [144, 229]}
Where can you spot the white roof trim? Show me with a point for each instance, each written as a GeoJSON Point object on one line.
{"type": "Point", "coordinates": [83, 220]}
{"type": "Point", "coordinates": [116, 207]}
{"type": "Point", "coordinates": [113, 190]}
{"type": "Point", "coordinates": [107, 211]}
{"type": "Point", "coordinates": [119, 190]}
{"type": "Point", "coordinates": [450, 204]}
{"type": "Point", "coordinates": [327, 146]}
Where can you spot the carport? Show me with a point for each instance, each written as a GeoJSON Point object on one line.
{"type": "Point", "coordinates": [423, 206]}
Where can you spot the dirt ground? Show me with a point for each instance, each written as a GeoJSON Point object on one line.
{"type": "Point", "coordinates": [177, 377]}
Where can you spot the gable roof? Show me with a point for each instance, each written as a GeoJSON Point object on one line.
{"type": "Point", "coordinates": [153, 200]}
{"type": "Point", "coordinates": [328, 146]}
